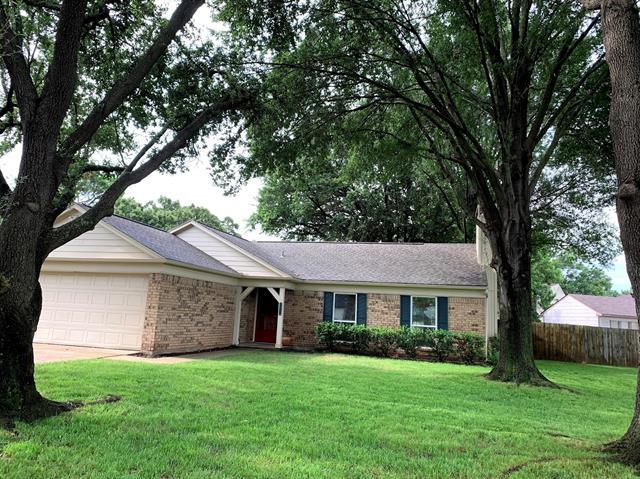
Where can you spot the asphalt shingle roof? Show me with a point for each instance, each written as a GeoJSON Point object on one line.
{"type": "Point", "coordinates": [166, 245]}
{"type": "Point", "coordinates": [451, 264]}
{"type": "Point", "coordinates": [403, 263]}
{"type": "Point", "coordinates": [620, 306]}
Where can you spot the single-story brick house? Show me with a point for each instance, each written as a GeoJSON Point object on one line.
{"type": "Point", "coordinates": [128, 285]}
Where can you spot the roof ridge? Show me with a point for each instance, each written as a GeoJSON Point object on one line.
{"type": "Point", "coordinates": [217, 230]}
{"type": "Point", "coordinates": [138, 222]}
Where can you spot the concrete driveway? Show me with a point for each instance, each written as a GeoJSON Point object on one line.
{"type": "Point", "coordinates": [48, 353]}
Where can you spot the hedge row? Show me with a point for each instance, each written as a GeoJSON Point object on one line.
{"type": "Point", "coordinates": [468, 347]}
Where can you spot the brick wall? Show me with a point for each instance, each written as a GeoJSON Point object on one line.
{"type": "Point", "coordinates": [302, 311]}
{"type": "Point", "coordinates": [467, 315]}
{"type": "Point", "coordinates": [247, 317]}
{"type": "Point", "coordinates": [185, 314]}
{"type": "Point", "coordinates": [383, 310]}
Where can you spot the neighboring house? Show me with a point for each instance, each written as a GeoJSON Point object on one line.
{"type": "Point", "coordinates": [128, 285]}
{"type": "Point", "coordinates": [558, 294]}
{"type": "Point", "coordinates": [601, 311]}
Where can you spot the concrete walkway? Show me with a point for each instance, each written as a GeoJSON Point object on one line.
{"type": "Point", "coordinates": [49, 353]}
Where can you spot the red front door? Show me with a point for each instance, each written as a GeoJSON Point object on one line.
{"type": "Point", "coordinates": [266, 317]}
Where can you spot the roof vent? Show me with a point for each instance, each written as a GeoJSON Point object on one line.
{"type": "Point", "coordinates": [282, 254]}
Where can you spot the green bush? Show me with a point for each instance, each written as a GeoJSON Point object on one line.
{"type": "Point", "coordinates": [359, 336]}
{"type": "Point", "coordinates": [410, 339]}
{"type": "Point", "coordinates": [469, 347]}
{"type": "Point", "coordinates": [441, 342]}
{"type": "Point", "coordinates": [326, 335]}
{"type": "Point", "coordinates": [384, 341]}
{"type": "Point", "coordinates": [493, 350]}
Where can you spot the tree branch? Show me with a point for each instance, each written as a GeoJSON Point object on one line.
{"type": "Point", "coordinates": [91, 168]}
{"type": "Point", "coordinates": [16, 63]}
{"type": "Point", "coordinates": [128, 84]}
{"type": "Point", "coordinates": [104, 207]}
{"type": "Point", "coordinates": [591, 4]}
{"type": "Point", "coordinates": [565, 53]}
{"type": "Point", "coordinates": [60, 80]}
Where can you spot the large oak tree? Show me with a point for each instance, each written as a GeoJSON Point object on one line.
{"type": "Point", "coordinates": [493, 87]}
{"type": "Point", "coordinates": [83, 82]}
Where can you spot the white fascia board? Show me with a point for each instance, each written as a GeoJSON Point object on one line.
{"type": "Point", "coordinates": [137, 267]}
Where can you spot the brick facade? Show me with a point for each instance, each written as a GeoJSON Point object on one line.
{"type": "Point", "coordinates": [302, 311]}
{"type": "Point", "coordinates": [186, 314]}
{"type": "Point", "coordinates": [467, 315]}
{"type": "Point", "coordinates": [383, 310]}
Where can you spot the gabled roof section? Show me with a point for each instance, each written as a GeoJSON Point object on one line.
{"type": "Point", "coordinates": [615, 306]}
{"type": "Point", "coordinates": [247, 250]}
{"type": "Point", "coordinates": [166, 244]}
{"type": "Point", "coordinates": [155, 243]}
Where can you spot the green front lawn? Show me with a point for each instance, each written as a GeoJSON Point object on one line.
{"type": "Point", "coordinates": [278, 415]}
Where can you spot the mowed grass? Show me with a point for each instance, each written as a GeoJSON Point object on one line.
{"type": "Point", "coordinates": [290, 415]}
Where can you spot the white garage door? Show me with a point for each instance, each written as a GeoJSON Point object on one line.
{"type": "Point", "coordinates": [100, 310]}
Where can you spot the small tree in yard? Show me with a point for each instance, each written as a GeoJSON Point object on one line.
{"type": "Point", "coordinates": [82, 81]}
{"type": "Point", "coordinates": [621, 32]}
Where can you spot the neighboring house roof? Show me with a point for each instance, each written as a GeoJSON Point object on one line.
{"type": "Point", "coordinates": [165, 244]}
{"type": "Point", "coordinates": [614, 306]}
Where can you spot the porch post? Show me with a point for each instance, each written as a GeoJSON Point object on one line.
{"type": "Point", "coordinates": [240, 295]}
{"type": "Point", "coordinates": [280, 324]}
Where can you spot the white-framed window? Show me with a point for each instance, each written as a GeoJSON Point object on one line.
{"type": "Point", "coordinates": [424, 312]}
{"type": "Point", "coordinates": [345, 308]}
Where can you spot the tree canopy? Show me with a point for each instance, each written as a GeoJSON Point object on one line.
{"type": "Point", "coordinates": [493, 91]}
{"type": "Point", "coordinates": [93, 88]}
{"type": "Point", "coordinates": [166, 214]}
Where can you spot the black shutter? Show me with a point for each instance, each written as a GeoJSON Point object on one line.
{"type": "Point", "coordinates": [405, 311]}
{"type": "Point", "coordinates": [362, 309]}
{"type": "Point", "coordinates": [443, 312]}
{"type": "Point", "coordinates": [327, 314]}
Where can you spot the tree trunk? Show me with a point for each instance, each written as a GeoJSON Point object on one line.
{"type": "Point", "coordinates": [20, 307]}
{"type": "Point", "coordinates": [512, 259]}
{"type": "Point", "coordinates": [621, 28]}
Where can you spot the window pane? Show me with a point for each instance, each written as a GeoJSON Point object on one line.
{"type": "Point", "coordinates": [424, 312]}
{"type": "Point", "coordinates": [345, 308]}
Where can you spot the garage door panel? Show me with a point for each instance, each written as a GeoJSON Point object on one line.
{"type": "Point", "coordinates": [93, 310]}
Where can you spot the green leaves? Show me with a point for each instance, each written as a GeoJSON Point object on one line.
{"type": "Point", "coordinates": [385, 341]}
{"type": "Point", "coordinates": [166, 214]}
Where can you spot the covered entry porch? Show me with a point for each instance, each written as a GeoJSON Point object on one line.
{"type": "Point", "coordinates": [259, 316]}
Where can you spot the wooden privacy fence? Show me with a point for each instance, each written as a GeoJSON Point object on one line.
{"type": "Point", "coordinates": [586, 344]}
